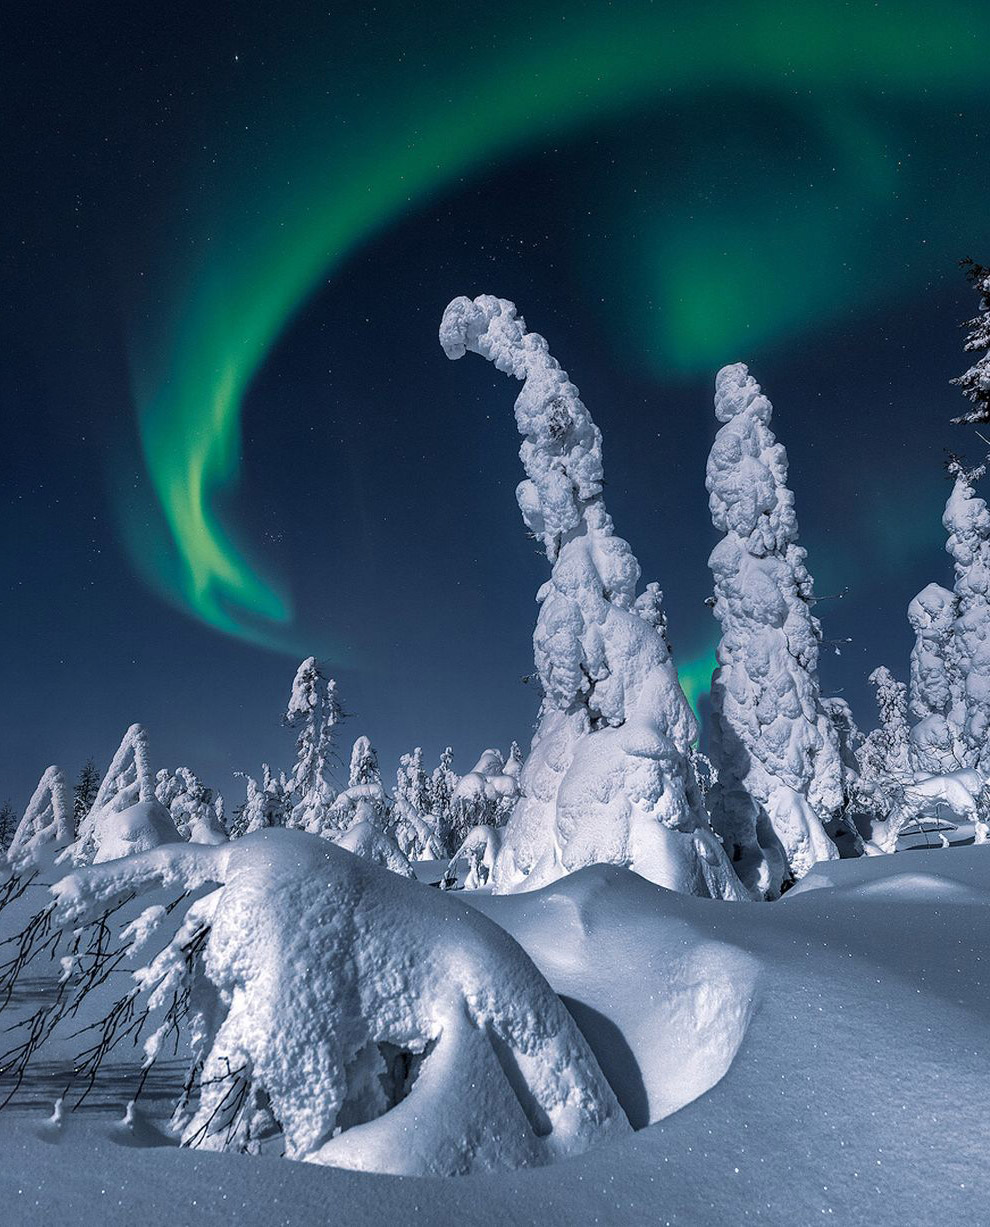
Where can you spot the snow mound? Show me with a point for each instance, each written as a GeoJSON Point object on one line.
{"type": "Point", "coordinates": [382, 1024]}
{"type": "Point", "coordinates": [665, 1016]}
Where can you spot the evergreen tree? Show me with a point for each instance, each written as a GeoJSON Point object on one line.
{"type": "Point", "coordinates": [936, 686]}
{"type": "Point", "coordinates": [314, 712]}
{"type": "Point", "coordinates": [84, 793]}
{"type": "Point", "coordinates": [412, 821]}
{"type": "Point", "coordinates": [8, 825]}
{"type": "Point", "coordinates": [364, 767]}
{"type": "Point", "coordinates": [608, 778]}
{"type": "Point", "coordinates": [774, 745]}
{"type": "Point", "coordinates": [975, 383]}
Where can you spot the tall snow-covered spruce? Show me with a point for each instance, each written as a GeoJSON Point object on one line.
{"type": "Point", "coordinates": [313, 712]}
{"type": "Point", "coordinates": [775, 748]}
{"type": "Point", "coordinates": [608, 778]}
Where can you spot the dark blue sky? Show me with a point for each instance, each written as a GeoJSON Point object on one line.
{"type": "Point", "coordinates": [377, 479]}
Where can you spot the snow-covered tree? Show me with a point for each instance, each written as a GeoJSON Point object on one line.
{"type": "Point", "coordinates": [443, 781]}
{"type": "Point", "coordinates": [485, 796]}
{"type": "Point", "coordinates": [514, 761]}
{"type": "Point", "coordinates": [313, 712]}
{"type": "Point", "coordinates": [8, 825]}
{"type": "Point", "coordinates": [936, 686]}
{"type": "Point", "coordinates": [191, 805]}
{"type": "Point", "coordinates": [412, 820]}
{"type": "Point", "coordinates": [885, 752]}
{"type": "Point", "coordinates": [967, 521]}
{"type": "Point", "coordinates": [364, 767]}
{"type": "Point", "coordinates": [47, 822]}
{"type": "Point", "coordinates": [266, 805]}
{"type": "Point", "coordinates": [126, 816]}
{"type": "Point", "coordinates": [780, 773]}
{"type": "Point", "coordinates": [373, 1022]}
{"type": "Point", "coordinates": [607, 778]}
{"type": "Point", "coordinates": [84, 792]}
{"type": "Point", "coordinates": [975, 383]}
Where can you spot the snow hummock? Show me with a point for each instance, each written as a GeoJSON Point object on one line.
{"type": "Point", "coordinates": [608, 778]}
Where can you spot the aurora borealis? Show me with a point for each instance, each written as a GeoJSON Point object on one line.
{"type": "Point", "coordinates": [270, 227]}
{"type": "Point", "coordinates": [232, 236]}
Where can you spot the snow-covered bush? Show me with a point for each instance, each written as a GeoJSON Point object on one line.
{"type": "Point", "coordinates": [607, 778]}
{"type": "Point", "coordinates": [375, 1023]}
{"type": "Point", "coordinates": [475, 859]}
{"type": "Point", "coordinates": [364, 800]}
{"type": "Point", "coordinates": [780, 773]}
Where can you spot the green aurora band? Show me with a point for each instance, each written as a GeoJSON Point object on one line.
{"type": "Point", "coordinates": [365, 143]}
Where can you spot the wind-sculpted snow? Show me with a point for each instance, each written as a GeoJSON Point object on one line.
{"type": "Point", "coordinates": [775, 748]}
{"type": "Point", "coordinates": [608, 777]}
{"type": "Point", "coordinates": [378, 1024]}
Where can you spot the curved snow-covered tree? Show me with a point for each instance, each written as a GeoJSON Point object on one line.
{"type": "Point", "coordinates": [776, 750]}
{"type": "Point", "coordinates": [607, 778]}
{"type": "Point", "coordinates": [47, 822]}
{"type": "Point", "coordinates": [376, 1023]}
{"type": "Point", "coordinates": [975, 383]}
{"type": "Point", "coordinates": [126, 816]}
{"type": "Point", "coordinates": [314, 712]}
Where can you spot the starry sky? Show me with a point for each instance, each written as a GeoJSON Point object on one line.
{"type": "Point", "coordinates": [232, 440]}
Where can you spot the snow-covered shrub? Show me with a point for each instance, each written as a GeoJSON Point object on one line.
{"type": "Point", "coordinates": [376, 1023]}
{"type": "Point", "coordinates": [780, 774]}
{"type": "Point", "coordinates": [47, 822]}
{"type": "Point", "coordinates": [364, 799]}
{"type": "Point", "coordinates": [607, 778]}
{"type": "Point", "coordinates": [959, 795]}
{"type": "Point", "coordinates": [126, 816]}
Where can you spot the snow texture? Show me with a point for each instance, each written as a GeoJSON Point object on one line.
{"type": "Point", "coordinates": [382, 1024]}
{"type": "Point", "coordinates": [776, 751]}
{"type": "Point", "coordinates": [608, 777]}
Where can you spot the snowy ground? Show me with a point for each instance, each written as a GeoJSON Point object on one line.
{"type": "Point", "coordinates": [820, 1057]}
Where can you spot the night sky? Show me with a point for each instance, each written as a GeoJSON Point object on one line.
{"type": "Point", "coordinates": [231, 438]}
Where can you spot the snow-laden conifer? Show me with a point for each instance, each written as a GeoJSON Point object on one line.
{"type": "Point", "coordinates": [967, 521]}
{"type": "Point", "coordinates": [313, 713]}
{"type": "Point", "coordinates": [975, 383]}
{"type": "Point", "coordinates": [774, 745]}
{"type": "Point", "coordinates": [607, 778]}
{"type": "Point", "coordinates": [126, 816]}
{"type": "Point", "coordinates": [936, 687]}
{"type": "Point", "coordinates": [47, 822]}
